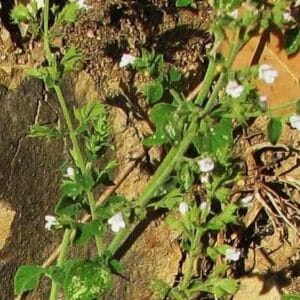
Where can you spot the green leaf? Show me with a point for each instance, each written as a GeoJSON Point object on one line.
{"type": "Point", "coordinates": [291, 297]}
{"type": "Point", "coordinates": [182, 3]}
{"type": "Point", "coordinates": [87, 231]}
{"type": "Point", "coordinates": [227, 216]}
{"type": "Point", "coordinates": [174, 74]}
{"type": "Point", "coordinates": [85, 181]}
{"type": "Point", "coordinates": [67, 207]}
{"type": "Point", "coordinates": [230, 286]}
{"type": "Point", "coordinates": [116, 266]}
{"type": "Point", "coordinates": [69, 13]}
{"type": "Point", "coordinates": [154, 92]}
{"type": "Point", "coordinates": [71, 59]}
{"type": "Point", "coordinates": [42, 131]}
{"type": "Point", "coordinates": [27, 278]}
{"type": "Point", "coordinates": [57, 274]}
{"type": "Point", "coordinates": [274, 129]}
{"type": "Point", "coordinates": [20, 13]}
{"type": "Point", "coordinates": [86, 280]}
{"type": "Point", "coordinates": [160, 114]}
{"type": "Point", "coordinates": [160, 288]}
{"type": "Point", "coordinates": [292, 41]}
{"type": "Point", "coordinates": [71, 188]}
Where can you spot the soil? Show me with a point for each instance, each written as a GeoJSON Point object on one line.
{"type": "Point", "coordinates": [29, 176]}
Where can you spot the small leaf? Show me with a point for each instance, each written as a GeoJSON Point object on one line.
{"type": "Point", "coordinates": [182, 3]}
{"type": "Point", "coordinates": [154, 92]}
{"type": "Point", "coordinates": [27, 278]}
{"type": "Point", "coordinates": [20, 13]}
{"type": "Point", "coordinates": [87, 231]}
{"type": "Point", "coordinates": [69, 13]}
{"type": "Point", "coordinates": [67, 207]}
{"type": "Point", "coordinates": [292, 41]}
{"type": "Point", "coordinates": [274, 129]}
{"type": "Point", "coordinates": [116, 266]}
{"type": "Point", "coordinates": [71, 188]}
{"type": "Point", "coordinates": [174, 74]}
{"type": "Point", "coordinates": [42, 131]}
{"type": "Point", "coordinates": [71, 59]}
{"type": "Point", "coordinates": [230, 286]}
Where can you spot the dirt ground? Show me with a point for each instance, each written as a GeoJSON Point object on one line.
{"type": "Point", "coordinates": [29, 176]}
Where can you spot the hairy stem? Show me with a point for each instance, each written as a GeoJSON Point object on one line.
{"type": "Point", "coordinates": [177, 151]}
{"type": "Point", "coordinates": [60, 260]}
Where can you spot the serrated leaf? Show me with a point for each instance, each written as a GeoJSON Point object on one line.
{"type": "Point", "coordinates": [20, 13]}
{"type": "Point", "coordinates": [86, 280]}
{"type": "Point", "coordinates": [87, 231]}
{"type": "Point", "coordinates": [69, 13]}
{"type": "Point", "coordinates": [274, 129]}
{"type": "Point", "coordinates": [67, 207]}
{"type": "Point", "coordinates": [71, 59]}
{"type": "Point", "coordinates": [27, 278]}
{"type": "Point", "coordinates": [42, 131]}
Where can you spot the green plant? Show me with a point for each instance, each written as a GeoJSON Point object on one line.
{"type": "Point", "coordinates": [198, 136]}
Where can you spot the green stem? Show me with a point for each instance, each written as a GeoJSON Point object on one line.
{"type": "Point", "coordinates": [191, 260]}
{"type": "Point", "coordinates": [166, 167]}
{"type": "Point", "coordinates": [208, 79]}
{"type": "Point", "coordinates": [60, 260]}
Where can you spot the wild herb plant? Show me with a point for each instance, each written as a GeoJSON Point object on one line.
{"type": "Point", "coordinates": [194, 180]}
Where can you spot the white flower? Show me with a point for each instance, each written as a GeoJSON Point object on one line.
{"type": "Point", "coordinates": [70, 172]}
{"type": "Point", "coordinates": [295, 122]}
{"type": "Point", "coordinates": [50, 221]}
{"type": "Point", "coordinates": [127, 59]}
{"type": "Point", "coordinates": [297, 3]}
{"type": "Point", "coordinates": [183, 208]}
{"type": "Point", "coordinates": [40, 3]}
{"type": "Point", "coordinates": [287, 17]}
{"type": "Point", "coordinates": [234, 14]}
{"type": "Point", "coordinates": [232, 254]}
{"type": "Point", "coordinates": [203, 205]}
{"type": "Point", "coordinates": [267, 73]}
{"type": "Point", "coordinates": [246, 201]}
{"type": "Point", "coordinates": [81, 4]}
{"type": "Point", "coordinates": [204, 178]}
{"type": "Point", "coordinates": [263, 102]}
{"type": "Point", "coordinates": [206, 164]}
{"type": "Point", "coordinates": [234, 89]}
{"type": "Point", "coordinates": [116, 222]}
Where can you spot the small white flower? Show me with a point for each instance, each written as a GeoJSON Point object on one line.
{"type": "Point", "coordinates": [183, 208]}
{"type": "Point", "coordinates": [246, 201]}
{"type": "Point", "coordinates": [267, 73]}
{"type": "Point", "coordinates": [127, 59]}
{"type": "Point", "coordinates": [203, 205]}
{"type": "Point", "coordinates": [232, 254]}
{"type": "Point", "coordinates": [263, 102]}
{"type": "Point", "coordinates": [234, 14]}
{"type": "Point", "coordinates": [40, 3]}
{"type": "Point", "coordinates": [116, 222]}
{"type": "Point", "coordinates": [50, 221]}
{"type": "Point", "coordinates": [70, 172]}
{"type": "Point", "coordinates": [204, 178]}
{"type": "Point", "coordinates": [206, 164]}
{"type": "Point", "coordinates": [287, 17]}
{"type": "Point", "coordinates": [82, 4]}
{"type": "Point", "coordinates": [295, 122]}
{"type": "Point", "coordinates": [234, 89]}
{"type": "Point", "coordinates": [297, 3]}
